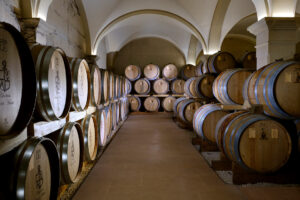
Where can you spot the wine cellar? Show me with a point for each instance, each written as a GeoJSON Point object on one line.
{"type": "Point", "coordinates": [135, 99]}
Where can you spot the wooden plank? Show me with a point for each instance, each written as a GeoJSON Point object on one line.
{"type": "Point", "coordinates": [41, 129]}
{"type": "Point", "coordinates": [75, 116]}
{"type": "Point", "coordinates": [91, 110]}
{"type": "Point", "coordinates": [10, 144]}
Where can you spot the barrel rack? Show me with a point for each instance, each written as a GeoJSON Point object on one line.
{"type": "Point", "coordinates": [232, 173]}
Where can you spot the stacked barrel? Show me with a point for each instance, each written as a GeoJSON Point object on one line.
{"type": "Point", "coordinates": [41, 85]}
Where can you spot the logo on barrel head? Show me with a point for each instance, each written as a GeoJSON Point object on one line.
{"type": "Point", "coordinates": [4, 77]}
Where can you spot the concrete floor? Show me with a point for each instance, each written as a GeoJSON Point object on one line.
{"type": "Point", "coordinates": [151, 158]}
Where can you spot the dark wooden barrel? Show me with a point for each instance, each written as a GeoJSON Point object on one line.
{"type": "Point", "coordinates": [257, 142]}
{"type": "Point", "coordinates": [152, 104]}
{"type": "Point", "coordinates": [112, 86]}
{"type": "Point", "coordinates": [168, 103]}
{"type": "Point", "coordinates": [204, 67]}
{"type": "Point", "coordinates": [17, 80]}
{"type": "Point", "coordinates": [220, 62]}
{"type": "Point", "coordinates": [177, 86]}
{"type": "Point", "coordinates": [205, 119]}
{"type": "Point", "coordinates": [30, 171]}
{"type": "Point", "coordinates": [105, 78]}
{"type": "Point", "coordinates": [96, 85]}
{"type": "Point", "coordinates": [170, 72]}
{"type": "Point", "coordinates": [54, 82]}
{"type": "Point", "coordinates": [133, 72]}
{"type": "Point", "coordinates": [199, 71]}
{"type": "Point", "coordinates": [228, 86]}
{"type": "Point", "coordinates": [142, 86]}
{"type": "Point", "coordinates": [151, 72]}
{"type": "Point", "coordinates": [81, 84]}
{"type": "Point", "coordinates": [176, 103]}
{"type": "Point", "coordinates": [276, 87]}
{"type": "Point", "coordinates": [70, 146]}
{"type": "Point", "coordinates": [200, 87]}
{"type": "Point", "coordinates": [135, 103]}
{"type": "Point", "coordinates": [249, 60]}
{"type": "Point", "coordinates": [90, 137]}
{"type": "Point", "coordinates": [161, 86]}
{"type": "Point", "coordinates": [188, 71]}
{"type": "Point", "coordinates": [187, 109]}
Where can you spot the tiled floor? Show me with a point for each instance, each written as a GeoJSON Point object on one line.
{"type": "Point", "coordinates": [151, 158]}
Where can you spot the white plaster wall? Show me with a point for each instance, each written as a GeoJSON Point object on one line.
{"type": "Point", "coordinates": [101, 62]}
{"type": "Point", "coordinates": [7, 12]}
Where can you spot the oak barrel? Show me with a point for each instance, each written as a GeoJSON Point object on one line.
{"type": "Point", "coordinates": [228, 86]}
{"type": "Point", "coordinates": [168, 103]}
{"type": "Point", "coordinates": [151, 72]}
{"type": "Point", "coordinates": [257, 142]}
{"type": "Point", "coordinates": [135, 103]}
{"type": "Point", "coordinates": [188, 71]}
{"type": "Point", "coordinates": [105, 76]}
{"type": "Point", "coordinates": [161, 86]}
{"type": "Point", "coordinates": [199, 71]}
{"type": "Point", "coordinates": [102, 126]}
{"type": "Point", "coordinates": [205, 119]}
{"type": "Point", "coordinates": [17, 80]}
{"type": "Point", "coordinates": [170, 72]}
{"type": "Point", "coordinates": [220, 62]}
{"type": "Point", "coordinates": [186, 110]}
{"type": "Point", "coordinates": [128, 87]}
{"type": "Point", "coordinates": [81, 84]}
{"type": "Point", "coordinates": [114, 115]}
{"type": "Point", "coordinates": [133, 72]}
{"type": "Point", "coordinates": [90, 137]}
{"type": "Point", "coordinates": [249, 60]}
{"type": "Point", "coordinates": [177, 86]}
{"type": "Point", "coordinates": [176, 103]}
{"type": "Point", "coordinates": [200, 87]}
{"type": "Point", "coordinates": [142, 86]}
{"type": "Point", "coordinates": [151, 104]}
{"type": "Point", "coordinates": [109, 120]}
{"type": "Point", "coordinates": [96, 85]}
{"type": "Point", "coordinates": [112, 86]}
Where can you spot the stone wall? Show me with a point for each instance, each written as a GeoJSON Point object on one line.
{"type": "Point", "coordinates": [7, 14]}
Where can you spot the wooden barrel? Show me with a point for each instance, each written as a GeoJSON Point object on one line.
{"type": "Point", "coordinates": [123, 109]}
{"type": "Point", "coordinates": [54, 82]}
{"type": "Point", "coordinates": [90, 135]}
{"type": "Point", "coordinates": [151, 72]}
{"type": "Point", "coordinates": [205, 119]}
{"type": "Point", "coordinates": [96, 85]}
{"type": "Point", "coordinates": [200, 87]}
{"type": "Point", "coordinates": [228, 86]}
{"type": "Point", "coordinates": [70, 147]}
{"type": "Point", "coordinates": [199, 71]}
{"type": "Point", "coordinates": [17, 80]}
{"type": "Point", "coordinates": [135, 103]}
{"type": "Point", "coordinates": [128, 87]}
{"type": "Point", "coordinates": [30, 171]}
{"type": "Point", "coordinates": [188, 71]}
{"type": "Point", "coordinates": [187, 109]}
{"type": "Point", "coordinates": [249, 60]}
{"type": "Point", "coordinates": [170, 72]}
{"type": "Point", "coordinates": [114, 115]}
{"type": "Point", "coordinates": [176, 103]}
{"type": "Point", "coordinates": [133, 72]}
{"type": "Point", "coordinates": [168, 103]}
{"type": "Point", "coordinates": [220, 62]}
{"type": "Point", "coordinates": [204, 67]}
{"type": "Point", "coordinates": [161, 86]}
{"type": "Point", "coordinates": [111, 86]}
{"type": "Point", "coordinates": [151, 104]}
{"type": "Point", "coordinates": [102, 126]}
{"type": "Point", "coordinates": [142, 86]}
{"type": "Point", "coordinates": [276, 87]}
{"type": "Point", "coordinates": [177, 86]}
{"type": "Point", "coordinates": [109, 120]}
{"type": "Point", "coordinates": [105, 76]}
{"type": "Point", "coordinates": [81, 84]}
{"type": "Point", "coordinates": [117, 87]}
{"type": "Point", "coordinates": [257, 143]}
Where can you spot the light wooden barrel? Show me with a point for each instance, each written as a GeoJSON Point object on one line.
{"type": "Point", "coordinates": [117, 86]}
{"type": "Point", "coordinates": [118, 113]}
{"type": "Point", "coordinates": [205, 119]}
{"type": "Point", "coordinates": [128, 87]}
{"type": "Point", "coordinates": [96, 85]}
{"type": "Point", "coordinates": [70, 146]}
{"type": "Point", "coordinates": [105, 78]}
{"type": "Point", "coordinates": [177, 86]}
{"type": "Point", "coordinates": [142, 86]}
{"type": "Point", "coordinates": [133, 72]}
{"type": "Point", "coordinates": [170, 72]}
{"type": "Point", "coordinates": [249, 60]}
{"type": "Point", "coordinates": [176, 103]}
{"type": "Point", "coordinates": [81, 84]}
{"type": "Point", "coordinates": [135, 103]}
{"type": "Point", "coordinates": [276, 87]}
{"type": "Point", "coordinates": [36, 170]}
{"type": "Point", "coordinates": [199, 71]}
{"type": "Point", "coordinates": [161, 86]}
{"type": "Point", "coordinates": [54, 82]}
{"type": "Point", "coordinates": [114, 108]}
{"type": "Point", "coordinates": [102, 127]}
{"type": "Point", "coordinates": [111, 86]}
{"type": "Point", "coordinates": [228, 86]}
{"type": "Point", "coordinates": [186, 110]}
{"type": "Point", "coordinates": [123, 109]}
{"type": "Point", "coordinates": [257, 142]}
{"type": "Point", "coordinates": [188, 71]}
{"type": "Point", "coordinates": [17, 80]}
{"type": "Point", "coordinates": [168, 103]}
{"type": "Point", "coordinates": [220, 62]}
{"type": "Point", "coordinates": [90, 137]}
{"type": "Point", "coordinates": [151, 104]}
{"type": "Point", "coordinates": [200, 87]}
{"type": "Point", "coordinates": [109, 120]}
{"type": "Point", "coordinates": [151, 72]}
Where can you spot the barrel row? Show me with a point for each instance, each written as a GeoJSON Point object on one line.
{"type": "Point", "coordinates": [151, 104]}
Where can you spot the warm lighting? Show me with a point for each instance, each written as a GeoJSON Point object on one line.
{"type": "Point", "coordinates": [211, 52]}
{"type": "Point", "coordinates": [283, 14]}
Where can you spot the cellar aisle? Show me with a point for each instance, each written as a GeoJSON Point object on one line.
{"type": "Point", "coordinates": [151, 158]}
